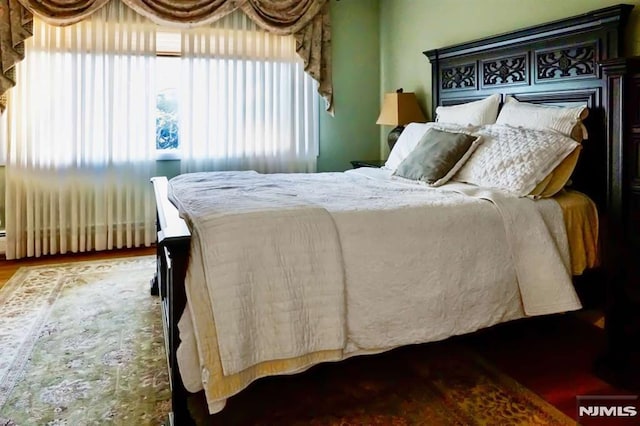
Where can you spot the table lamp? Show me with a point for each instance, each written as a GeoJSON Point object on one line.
{"type": "Point", "coordinates": [398, 109]}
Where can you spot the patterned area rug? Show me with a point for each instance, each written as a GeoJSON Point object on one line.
{"type": "Point", "coordinates": [435, 384]}
{"type": "Point", "coordinates": [81, 343]}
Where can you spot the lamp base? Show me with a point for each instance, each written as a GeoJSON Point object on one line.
{"type": "Point", "coordinates": [393, 136]}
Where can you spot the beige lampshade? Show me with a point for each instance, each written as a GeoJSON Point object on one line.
{"type": "Point", "coordinates": [399, 109]}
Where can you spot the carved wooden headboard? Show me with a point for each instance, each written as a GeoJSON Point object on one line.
{"type": "Point", "coordinates": [566, 62]}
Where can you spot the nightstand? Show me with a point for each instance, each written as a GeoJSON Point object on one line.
{"type": "Point", "coordinates": [368, 163]}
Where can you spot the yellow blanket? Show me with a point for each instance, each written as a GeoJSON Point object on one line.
{"type": "Point", "coordinates": [581, 220]}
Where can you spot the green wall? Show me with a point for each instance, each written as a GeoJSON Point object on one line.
{"type": "Point", "coordinates": [352, 133]}
{"type": "Point", "coordinates": [409, 27]}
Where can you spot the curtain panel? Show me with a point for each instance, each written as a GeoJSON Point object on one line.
{"type": "Point", "coordinates": [307, 20]}
{"type": "Point", "coordinates": [245, 101]}
{"type": "Point", "coordinates": [78, 167]}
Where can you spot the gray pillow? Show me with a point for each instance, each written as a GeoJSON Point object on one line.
{"type": "Point", "coordinates": [438, 156]}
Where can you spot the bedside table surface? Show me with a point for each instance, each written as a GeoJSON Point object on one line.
{"type": "Point", "coordinates": [367, 163]}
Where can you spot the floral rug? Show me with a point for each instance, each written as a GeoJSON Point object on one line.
{"type": "Point", "coordinates": [435, 384]}
{"type": "Point", "coordinates": [81, 343]}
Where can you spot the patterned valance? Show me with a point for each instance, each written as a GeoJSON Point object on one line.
{"type": "Point", "coordinates": [307, 20]}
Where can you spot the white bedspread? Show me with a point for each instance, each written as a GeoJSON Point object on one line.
{"type": "Point", "coordinates": [536, 236]}
{"type": "Point", "coordinates": [273, 267]}
{"type": "Point", "coordinates": [419, 264]}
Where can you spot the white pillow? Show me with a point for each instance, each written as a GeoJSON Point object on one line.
{"type": "Point", "coordinates": [515, 159]}
{"type": "Point", "coordinates": [410, 137]}
{"type": "Point", "coordinates": [543, 117]}
{"type": "Point", "coordinates": [474, 113]}
{"type": "Point", "coordinates": [408, 140]}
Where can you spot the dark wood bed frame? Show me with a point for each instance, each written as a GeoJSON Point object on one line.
{"type": "Point", "coordinates": [573, 61]}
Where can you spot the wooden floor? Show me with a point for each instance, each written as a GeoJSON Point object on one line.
{"type": "Point", "coordinates": [9, 267]}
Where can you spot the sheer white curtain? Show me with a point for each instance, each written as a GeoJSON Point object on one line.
{"type": "Point", "coordinates": [246, 102]}
{"type": "Point", "coordinates": [80, 135]}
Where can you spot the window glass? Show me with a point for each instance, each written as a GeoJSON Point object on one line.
{"type": "Point", "coordinates": [167, 108]}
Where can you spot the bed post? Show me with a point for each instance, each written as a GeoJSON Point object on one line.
{"type": "Point", "coordinates": [620, 364]}
{"type": "Point", "coordinates": [173, 245]}
{"type": "Point", "coordinates": [435, 81]}
{"type": "Point", "coordinates": [174, 300]}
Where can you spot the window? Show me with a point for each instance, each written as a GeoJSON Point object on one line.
{"type": "Point", "coordinates": [167, 108]}
{"type": "Point", "coordinates": [106, 96]}
{"type": "Point", "coordinates": [231, 96]}
{"type": "Point", "coordinates": [167, 94]}
{"type": "Point", "coordinates": [167, 119]}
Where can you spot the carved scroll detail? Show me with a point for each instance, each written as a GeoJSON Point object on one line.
{"type": "Point", "coordinates": [505, 71]}
{"type": "Point", "coordinates": [569, 62]}
{"type": "Point", "coordinates": [460, 77]}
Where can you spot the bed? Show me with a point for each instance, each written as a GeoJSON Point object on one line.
{"type": "Point", "coordinates": [354, 294]}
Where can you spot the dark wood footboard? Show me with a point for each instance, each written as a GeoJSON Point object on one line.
{"type": "Point", "coordinates": [173, 245]}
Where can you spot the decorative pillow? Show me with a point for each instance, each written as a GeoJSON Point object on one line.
{"type": "Point", "coordinates": [475, 113]}
{"type": "Point", "coordinates": [567, 121]}
{"type": "Point", "coordinates": [438, 156]}
{"type": "Point", "coordinates": [410, 137]}
{"type": "Point", "coordinates": [515, 159]}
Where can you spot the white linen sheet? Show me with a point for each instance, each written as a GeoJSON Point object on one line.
{"type": "Point", "coordinates": [420, 264]}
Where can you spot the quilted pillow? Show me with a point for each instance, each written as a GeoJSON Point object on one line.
{"type": "Point", "coordinates": [438, 156]}
{"type": "Point", "coordinates": [409, 138]}
{"type": "Point", "coordinates": [474, 113]}
{"type": "Point", "coordinates": [515, 159]}
{"type": "Point", "coordinates": [567, 121]}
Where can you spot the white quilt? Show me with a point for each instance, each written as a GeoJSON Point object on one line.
{"type": "Point", "coordinates": [399, 263]}
{"type": "Point", "coordinates": [273, 267]}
